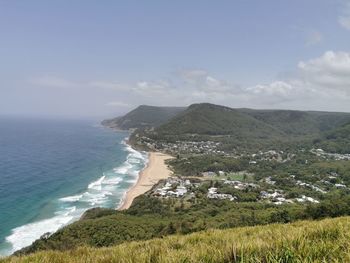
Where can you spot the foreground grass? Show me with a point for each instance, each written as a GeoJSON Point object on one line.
{"type": "Point", "coordinates": [305, 241]}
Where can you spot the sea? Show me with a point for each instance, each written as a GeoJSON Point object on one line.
{"type": "Point", "coordinates": [51, 171]}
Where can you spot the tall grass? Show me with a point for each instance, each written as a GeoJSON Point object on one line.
{"type": "Point", "coordinates": [305, 241]}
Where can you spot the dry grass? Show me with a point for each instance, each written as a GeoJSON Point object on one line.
{"type": "Point", "coordinates": [305, 241]}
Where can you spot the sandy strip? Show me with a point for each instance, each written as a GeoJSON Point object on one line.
{"type": "Point", "coordinates": [155, 170]}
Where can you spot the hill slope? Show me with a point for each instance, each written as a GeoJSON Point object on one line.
{"type": "Point", "coordinates": [336, 140]}
{"type": "Point", "coordinates": [210, 119]}
{"type": "Point", "coordinates": [143, 116]}
{"type": "Point", "coordinates": [248, 129]}
{"type": "Point", "coordinates": [305, 241]}
{"type": "Point", "coordinates": [293, 122]}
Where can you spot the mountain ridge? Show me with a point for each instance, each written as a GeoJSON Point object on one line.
{"type": "Point", "coordinates": [144, 116]}
{"type": "Point", "coordinates": [238, 127]}
{"type": "Point", "coordinates": [298, 122]}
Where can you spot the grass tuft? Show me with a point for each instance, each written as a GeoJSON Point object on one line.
{"type": "Point", "coordinates": [305, 241]}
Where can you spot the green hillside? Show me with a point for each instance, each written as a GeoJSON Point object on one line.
{"type": "Point", "coordinates": [336, 140]}
{"type": "Point", "coordinates": [300, 122]}
{"type": "Point", "coordinates": [213, 119]}
{"type": "Point", "coordinates": [143, 116]}
{"type": "Point", "coordinates": [249, 130]}
{"type": "Point", "coordinates": [210, 119]}
{"type": "Point", "coordinates": [304, 241]}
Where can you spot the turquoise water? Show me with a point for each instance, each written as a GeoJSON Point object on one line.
{"type": "Point", "coordinates": [52, 171]}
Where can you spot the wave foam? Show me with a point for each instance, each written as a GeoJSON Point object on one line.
{"type": "Point", "coordinates": [124, 168]}
{"type": "Point", "coordinates": [24, 235]}
{"type": "Point", "coordinates": [113, 181]}
{"type": "Point", "coordinates": [97, 184]}
{"type": "Point", "coordinates": [98, 193]}
{"type": "Point", "coordinates": [73, 198]}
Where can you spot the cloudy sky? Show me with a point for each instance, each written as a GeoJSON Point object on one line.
{"type": "Point", "coordinates": [98, 59]}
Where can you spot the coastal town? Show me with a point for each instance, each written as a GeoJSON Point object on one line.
{"type": "Point", "coordinates": [191, 188]}
{"type": "Point", "coordinates": [211, 148]}
{"type": "Point", "coordinates": [182, 147]}
{"type": "Point", "coordinates": [247, 184]}
{"type": "Point", "coordinates": [335, 156]}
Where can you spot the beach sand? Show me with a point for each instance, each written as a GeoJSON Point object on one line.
{"type": "Point", "coordinates": [155, 170]}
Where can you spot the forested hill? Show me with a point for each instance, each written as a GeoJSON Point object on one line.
{"type": "Point", "coordinates": [300, 122]}
{"type": "Point", "coordinates": [336, 140]}
{"type": "Point", "coordinates": [213, 119]}
{"type": "Point", "coordinates": [143, 116]}
{"type": "Point", "coordinates": [210, 119]}
{"type": "Point", "coordinates": [239, 128]}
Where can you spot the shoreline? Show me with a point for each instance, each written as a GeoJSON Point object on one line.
{"type": "Point", "coordinates": [155, 170]}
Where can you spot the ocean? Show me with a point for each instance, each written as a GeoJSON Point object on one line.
{"type": "Point", "coordinates": [53, 171]}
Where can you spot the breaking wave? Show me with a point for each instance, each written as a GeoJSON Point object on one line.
{"type": "Point", "coordinates": [106, 191]}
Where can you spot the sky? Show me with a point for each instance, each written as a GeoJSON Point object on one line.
{"type": "Point", "coordinates": [98, 59]}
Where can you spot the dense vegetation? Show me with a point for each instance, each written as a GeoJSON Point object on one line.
{"type": "Point", "coordinates": [150, 217]}
{"type": "Point", "coordinates": [336, 140]}
{"type": "Point", "coordinates": [305, 241]}
{"type": "Point", "coordinates": [248, 130]}
{"type": "Point", "coordinates": [212, 119]}
{"type": "Point", "coordinates": [255, 145]}
{"type": "Point", "coordinates": [293, 122]}
{"type": "Point", "coordinates": [143, 116]}
{"type": "Point", "coordinates": [239, 129]}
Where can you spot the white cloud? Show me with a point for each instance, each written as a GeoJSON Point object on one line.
{"type": "Point", "coordinates": [278, 92]}
{"type": "Point", "coordinates": [152, 88]}
{"type": "Point", "coordinates": [275, 88]}
{"type": "Point", "coordinates": [319, 83]}
{"type": "Point", "coordinates": [344, 18]}
{"type": "Point", "coordinates": [202, 81]}
{"type": "Point", "coordinates": [315, 81]}
{"type": "Point", "coordinates": [330, 71]}
{"type": "Point", "coordinates": [192, 75]}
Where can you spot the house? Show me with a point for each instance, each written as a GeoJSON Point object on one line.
{"type": "Point", "coordinates": [241, 186]}
{"type": "Point", "coordinates": [180, 190]}
{"type": "Point", "coordinates": [340, 185]}
{"type": "Point", "coordinates": [320, 151]}
{"type": "Point", "coordinates": [269, 180]}
{"type": "Point", "coordinates": [212, 194]}
{"type": "Point", "coordinates": [306, 199]}
{"type": "Point", "coordinates": [277, 197]}
{"type": "Point", "coordinates": [208, 174]}
{"type": "Point", "coordinates": [221, 173]}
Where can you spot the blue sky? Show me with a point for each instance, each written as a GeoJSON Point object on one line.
{"type": "Point", "coordinates": [101, 58]}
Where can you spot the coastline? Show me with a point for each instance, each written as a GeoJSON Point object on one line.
{"type": "Point", "coordinates": [155, 170]}
{"type": "Point", "coordinates": [99, 187]}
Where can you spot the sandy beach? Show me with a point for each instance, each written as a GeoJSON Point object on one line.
{"type": "Point", "coordinates": [155, 170]}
